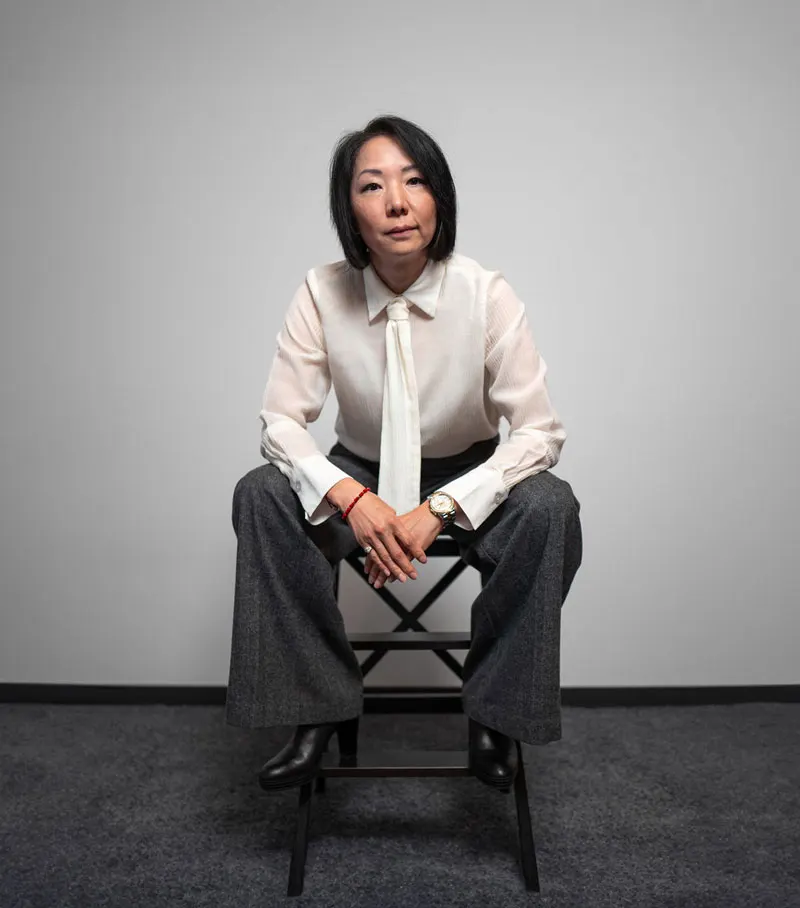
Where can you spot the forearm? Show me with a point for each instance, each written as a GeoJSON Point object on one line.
{"type": "Point", "coordinates": [343, 492]}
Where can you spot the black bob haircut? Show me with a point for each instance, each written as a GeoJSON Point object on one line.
{"type": "Point", "coordinates": [429, 158]}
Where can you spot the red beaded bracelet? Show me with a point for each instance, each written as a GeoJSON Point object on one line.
{"type": "Point", "coordinates": [350, 506]}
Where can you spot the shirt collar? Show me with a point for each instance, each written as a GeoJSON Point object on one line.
{"type": "Point", "coordinates": [423, 293]}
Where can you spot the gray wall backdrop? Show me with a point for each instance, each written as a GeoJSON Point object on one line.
{"type": "Point", "coordinates": [631, 167]}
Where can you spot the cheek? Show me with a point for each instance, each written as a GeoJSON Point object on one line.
{"type": "Point", "coordinates": [365, 217]}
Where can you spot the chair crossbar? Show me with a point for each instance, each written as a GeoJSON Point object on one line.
{"type": "Point", "coordinates": [409, 619]}
{"type": "Point", "coordinates": [431, 640]}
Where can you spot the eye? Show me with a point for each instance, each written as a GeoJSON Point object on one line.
{"type": "Point", "coordinates": [366, 186]}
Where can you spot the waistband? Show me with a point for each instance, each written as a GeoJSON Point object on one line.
{"type": "Point", "coordinates": [472, 456]}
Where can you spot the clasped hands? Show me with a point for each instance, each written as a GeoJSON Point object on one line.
{"type": "Point", "coordinates": [396, 539]}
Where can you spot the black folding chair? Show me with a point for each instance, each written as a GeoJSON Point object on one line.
{"type": "Point", "coordinates": [409, 634]}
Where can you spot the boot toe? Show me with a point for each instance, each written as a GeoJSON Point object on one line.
{"type": "Point", "coordinates": [493, 758]}
{"type": "Point", "coordinates": [496, 772]}
{"type": "Point", "coordinates": [298, 762]}
{"type": "Point", "coordinates": [276, 774]}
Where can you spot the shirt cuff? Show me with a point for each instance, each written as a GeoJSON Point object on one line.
{"type": "Point", "coordinates": [313, 476]}
{"type": "Point", "coordinates": [478, 493]}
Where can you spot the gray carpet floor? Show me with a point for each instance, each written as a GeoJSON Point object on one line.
{"type": "Point", "coordinates": [157, 805]}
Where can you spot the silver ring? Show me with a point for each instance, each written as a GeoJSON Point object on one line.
{"type": "Point", "coordinates": [367, 549]}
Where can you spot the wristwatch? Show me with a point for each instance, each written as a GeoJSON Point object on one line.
{"type": "Point", "coordinates": [443, 506]}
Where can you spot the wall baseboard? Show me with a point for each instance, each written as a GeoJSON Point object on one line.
{"type": "Point", "coordinates": [401, 699]}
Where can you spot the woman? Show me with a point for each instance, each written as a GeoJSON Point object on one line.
{"type": "Point", "coordinates": [426, 350]}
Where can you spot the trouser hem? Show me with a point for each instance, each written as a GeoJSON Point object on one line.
{"type": "Point", "coordinates": [528, 731]}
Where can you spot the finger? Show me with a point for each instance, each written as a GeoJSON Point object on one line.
{"type": "Point", "coordinates": [409, 545]}
{"type": "Point", "coordinates": [374, 568]}
{"type": "Point", "coordinates": [412, 545]}
{"type": "Point", "coordinates": [383, 578]}
{"type": "Point", "coordinates": [399, 557]}
{"type": "Point", "coordinates": [373, 557]}
{"type": "Point", "coordinates": [376, 572]}
{"type": "Point", "coordinates": [387, 560]}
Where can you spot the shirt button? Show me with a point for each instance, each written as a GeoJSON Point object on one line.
{"type": "Point", "coordinates": [498, 497]}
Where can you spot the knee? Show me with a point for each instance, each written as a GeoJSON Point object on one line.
{"type": "Point", "coordinates": [546, 492]}
{"type": "Point", "coordinates": [259, 487]}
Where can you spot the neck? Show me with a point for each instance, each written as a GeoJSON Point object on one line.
{"type": "Point", "coordinates": [399, 273]}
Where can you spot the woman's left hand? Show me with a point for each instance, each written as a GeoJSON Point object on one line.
{"type": "Point", "coordinates": [419, 523]}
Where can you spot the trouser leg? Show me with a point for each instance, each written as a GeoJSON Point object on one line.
{"type": "Point", "coordinates": [291, 662]}
{"type": "Point", "coordinates": [529, 551]}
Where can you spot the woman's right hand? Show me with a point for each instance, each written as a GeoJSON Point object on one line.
{"type": "Point", "coordinates": [375, 523]}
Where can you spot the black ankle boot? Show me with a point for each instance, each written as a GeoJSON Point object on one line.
{"type": "Point", "coordinates": [298, 761]}
{"type": "Point", "coordinates": [492, 756]}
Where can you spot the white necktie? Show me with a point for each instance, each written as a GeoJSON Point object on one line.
{"type": "Point", "coordinates": [399, 480]}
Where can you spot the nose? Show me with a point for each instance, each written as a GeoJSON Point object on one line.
{"type": "Point", "coordinates": [396, 199]}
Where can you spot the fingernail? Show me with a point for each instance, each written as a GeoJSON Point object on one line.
{"type": "Point", "coordinates": [413, 575]}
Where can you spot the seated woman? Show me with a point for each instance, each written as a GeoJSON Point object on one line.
{"type": "Point", "coordinates": [426, 351]}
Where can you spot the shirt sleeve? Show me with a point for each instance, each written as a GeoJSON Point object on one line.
{"type": "Point", "coordinates": [517, 386]}
{"type": "Point", "coordinates": [297, 387]}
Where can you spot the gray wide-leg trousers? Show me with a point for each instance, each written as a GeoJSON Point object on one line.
{"type": "Point", "coordinates": [291, 662]}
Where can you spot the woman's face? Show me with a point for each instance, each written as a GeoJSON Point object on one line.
{"type": "Point", "coordinates": [392, 193]}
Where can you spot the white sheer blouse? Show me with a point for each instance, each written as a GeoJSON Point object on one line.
{"type": "Point", "coordinates": [475, 360]}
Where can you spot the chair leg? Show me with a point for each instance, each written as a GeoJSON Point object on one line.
{"type": "Point", "coordinates": [527, 849]}
{"type": "Point", "coordinates": [319, 785]}
{"type": "Point", "coordinates": [347, 733]}
{"type": "Point", "coordinates": [297, 868]}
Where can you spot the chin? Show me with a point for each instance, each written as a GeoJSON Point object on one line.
{"type": "Point", "coordinates": [406, 247]}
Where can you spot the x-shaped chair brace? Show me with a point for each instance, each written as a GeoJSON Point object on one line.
{"type": "Point", "coordinates": [409, 620]}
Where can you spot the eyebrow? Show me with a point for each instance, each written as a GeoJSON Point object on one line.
{"type": "Point", "coordinates": [380, 172]}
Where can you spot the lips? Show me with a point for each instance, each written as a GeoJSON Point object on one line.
{"type": "Point", "coordinates": [401, 230]}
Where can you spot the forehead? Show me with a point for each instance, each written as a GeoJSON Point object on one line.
{"type": "Point", "coordinates": [382, 153]}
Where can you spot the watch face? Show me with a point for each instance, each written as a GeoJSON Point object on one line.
{"type": "Point", "coordinates": [441, 501]}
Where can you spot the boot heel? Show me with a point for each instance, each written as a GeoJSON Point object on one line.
{"type": "Point", "coordinates": [347, 733]}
